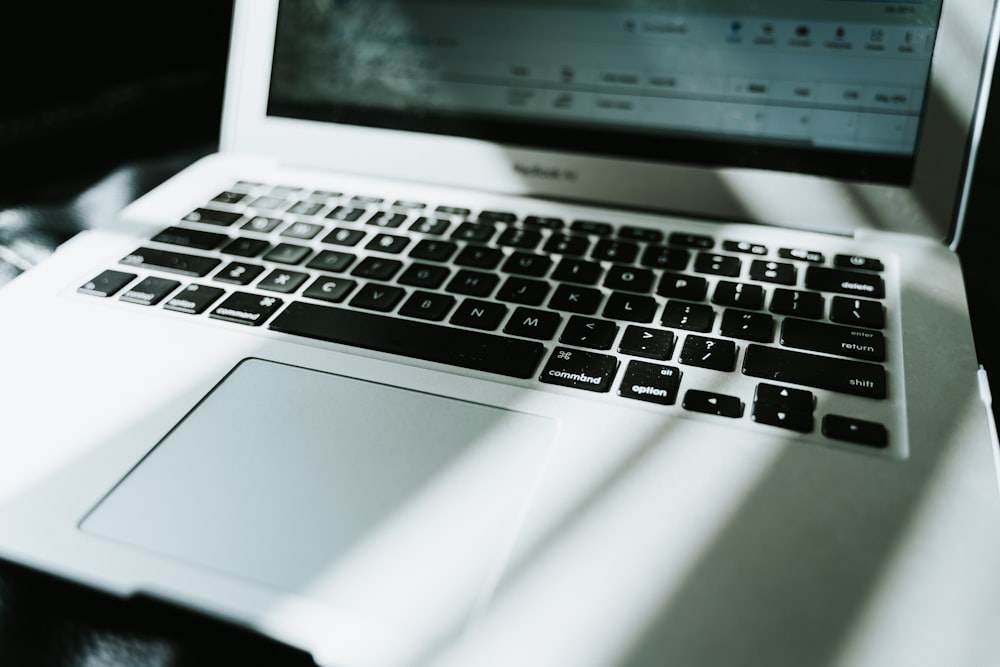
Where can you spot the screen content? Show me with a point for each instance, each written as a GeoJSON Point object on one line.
{"type": "Point", "coordinates": [830, 87]}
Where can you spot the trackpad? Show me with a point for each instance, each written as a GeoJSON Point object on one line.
{"type": "Point", "coordinates": [372, 497]}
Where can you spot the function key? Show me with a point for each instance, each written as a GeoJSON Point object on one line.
{"type": "Point", "coordinates": [453, 210]}
{"type": "Point", "coordinates": [545, 222]}
{"type": "Point", "coordinates": [641, 234]}
{"type": "Point", "coordinates": [591, 227]}
{"type": "Point", "coordinates": [325, 194]}
{"type": "Point", "coordinates": [489, 217]}
{"type": "Point", "coordinates": [413, 205]}
{"type": "Point", "coordinates": [210, 216]}
{"type": "Point", "coordinates": [803, 255]}
{"type": "Point", "coordinates": [692, 240]}
{"type": "Point", "coordinates": [362, 200]}
{"type": "Point", "coordinates": [744, 247]}
{"type": "Point", "coordinates": [284, 191]}
{"type": "Point", "coordinates": [107, 283]}
{"type": "Point", "coordinates": [858, 262]}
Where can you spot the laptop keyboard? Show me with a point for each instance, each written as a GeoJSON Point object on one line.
{"type": "Point", "coordinates": [583, 304]}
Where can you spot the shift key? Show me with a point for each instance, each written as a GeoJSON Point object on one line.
{"type": "Point", "coordinates": [842, 375]}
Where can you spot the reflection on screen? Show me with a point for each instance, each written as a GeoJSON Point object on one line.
{"type": "Point", "coordinates": [818, 86]}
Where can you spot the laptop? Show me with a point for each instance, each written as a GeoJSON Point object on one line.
{"type": "Point", "coordinates": [549, 333]}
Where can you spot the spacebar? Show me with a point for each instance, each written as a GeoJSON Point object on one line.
{"type": "Point", "coordinates": [458, 347]}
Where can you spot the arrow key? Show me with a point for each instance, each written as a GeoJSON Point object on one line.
{"type": "Point", "coordinates": [713, 404]}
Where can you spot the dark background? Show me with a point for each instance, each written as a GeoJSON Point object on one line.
{"type": "Point", "coordinates": [89, 91]}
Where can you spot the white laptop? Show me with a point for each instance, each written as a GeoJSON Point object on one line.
{"type": "Point", "coordinates": [549, 333]}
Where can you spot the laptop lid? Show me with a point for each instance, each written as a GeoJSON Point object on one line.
{"type": "Point", "coordinates": [823, 115]}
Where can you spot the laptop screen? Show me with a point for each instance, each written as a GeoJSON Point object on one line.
{"type": "Point", "coordinates": [823, 87]}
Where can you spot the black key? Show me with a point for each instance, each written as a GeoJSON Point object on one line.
{"type": "Point", "coordinates": [332, 290]}
{"type": "Point", "coordinates": [583, 300]}
{"type": "Point", "coordinates": [344, 236]}
{"type": "Point", "coordinates": [544, 221]}
{"type": "Point", "coordinates": [388, 243]}
{"type": "Point", "coordinates": [238, 273]}
{"type": "Point", "coordinates": [245, 308]}
{"type": "Point", "coordinates": [712, 353]}
{"type": "Point", "coordinates": [610, 250]}
{"type": "Point", "coordinates": [654, 383]}
{"type": "Point", "coordinates": [513, 357]}
{"type": "Point", "coordinates": [858, 262]}
{"type": "Point", "coordinates": [479, 257]}
{"type": "Point", "coordinates": [366, 200]}
{"type": "Point", "coordinates": [711, 403]}
{"type": "Point", "coordinates": [283, 281]}
{"type": "Point", "coordinates": [788, 398]}
{"type": "Point", "coordinates": [738, 295]}
{"type": "Point", "coordinates": [490, 217]}
{"type": "Point", "coordinates": [842, 281]}
{"type": "Point", "coordinates": [804, 255]}
{"type": "Point", "coordinates": [190, 238]}
{"type": "Point", "coordinates": [229, 197]}
{"type": "Point", "coordinates": [261, 224]}
{"type": "Point", "coordinates": [474, 231]}
{"type": "Point", "coordinates": [429, 276]}
{"type": "Point", "coordinates": [629, 279]}
{"type": "Point", "coordinates": [578, 271]}
{"type": "Point", "coordinates": [271, 202]}
{"type": "Point", "coordinates": [842, 375]}
{"type": "Point", "coordinates": [108, 283]}
{"type": "Point", "coordinates": [588, 332]}
{"type": "Point", "coordinates": [532, 323]}
{"type": "Point", "coordinates": [524, 291]}
{"type": "Point", "coordinates": [479, 314]}
{"type": "Point", "coordinates": [246, 247]}
{"type": "Point", "coordinates": [149, 291]}
{"type": "Point", "coordinates": [376, 268]}
{"type": "Point", "coordinates": [473, 283]}
{"type": "Point", "coordinates": [781, 273]}
{"type": "Point", "coordinates": [211, 216]}
{"type": "Point", "coordinates": [346, 213]}
{"type": "Point", "coordinates": [378, 297]}
{"type": "Point", "coordinates": [434, 251]}
{"type": "Point", "coordinates": [591, 227]}
{"type": "Point", "coordinates": [640, 234]}
{"type": "Point", "coordinates": [681, 286]}
{"type": "Point", "coordinates": [775, 415]}
{"type": "Point", "coordinates": [662, 257]}
{"type": "Point", "coordinates": [305, 208]}
{"type": "Point", "coordinates": [386, 219]}
{"type": "Point", "coordinates": [688, 316]}
{"type": "Point", "coordinates": [579, 369]}
{"type": "Point", "coordinates": [567, 244]}
{"type": "Point", "coordinates": [758, 327]}
{"type": "Point", "coordinates": [434, 226]}
{"type": "Point", "coordinates": [798, 303]}
{"type": "Point", "coordinates": [527, 264]}
{"type": "Point", "coordinates": [428, 306]}
{"type": "Point", "coordinates": [692, 240]}
{"type": "Point", "coordinates": [331, 261]}
{"type": "Point", "coordinates": [857, 312]}
{"type": "Point", "coordinates": [518, 237]}
{"type": "Point", "coordinates": [718, 265]}
{"type": "Point", "coordinates": [453, 210]}
{"type": "Point", "coordinates": [857, 431]}
{"type": "Point", "coordinates": [645, 342]}
{"type": "Point", "coordinates": [194, 299]}
{"type": "Point", "coordinates": [302, 230]}
{"type": "Point", "coordinates": [630, 307]}
{"type": "Point", "coordinates": [851, 342]}
{"type": "Point", "coordinates": [287, 253]}
{"type": "Point", "coordinates": [175, 262]}
{"type": "Point", "coordinates": [745, 247]}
